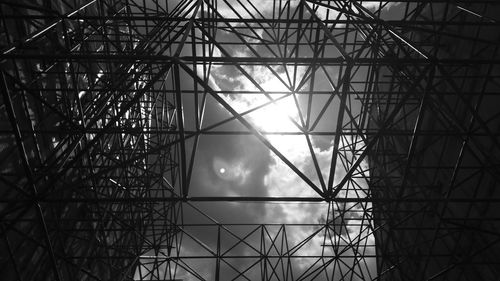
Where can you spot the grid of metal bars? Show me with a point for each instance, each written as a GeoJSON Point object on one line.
{"type": "Point", "coordinates": [104, 107]}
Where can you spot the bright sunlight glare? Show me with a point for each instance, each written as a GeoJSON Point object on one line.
{"type": "Point", "coordinates": [276, 116]}
{"type": "Point", "coordinates": [273, 116]}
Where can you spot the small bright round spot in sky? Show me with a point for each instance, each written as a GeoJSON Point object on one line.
{"type": "Point", "coordinates": [222, 170]}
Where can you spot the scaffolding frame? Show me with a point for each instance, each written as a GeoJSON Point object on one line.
{"type": "Point", "coordinates": [103, 110]}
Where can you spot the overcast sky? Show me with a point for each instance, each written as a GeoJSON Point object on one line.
{"type": "Point", "coordinates": [241, 165]}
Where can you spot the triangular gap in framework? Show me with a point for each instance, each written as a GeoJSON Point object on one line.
{"type": "Point", "coordinates": [241, 255]}
{"type": "Point", "coordinates": [238, 239]}
{"type": "Point", "coordinates": [240, 268]}
{"type": "Point", "coordinates": [283, 180]}
{"type": "Point", "coordinates": [217, 119]}
{"type": "Point", "coordinates": [316, 98]}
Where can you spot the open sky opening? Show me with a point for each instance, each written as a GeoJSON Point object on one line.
{"type": "Point", "coordinates": [275, 175]}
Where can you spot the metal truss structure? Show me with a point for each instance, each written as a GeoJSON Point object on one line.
{"type": "Point", "coordinates": [109, 108]}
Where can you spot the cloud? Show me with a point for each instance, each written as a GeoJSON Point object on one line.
{"type": "Point", "coordinates": [247, 11]}
{"type": "Point", "coordinates": [233, 171]}
{"type": "Point", "coordinates": [332, 12]}
{"type": "Point", "coordinates": [280, 180]}
{"type": "Point", "coordinates": [250, 169]}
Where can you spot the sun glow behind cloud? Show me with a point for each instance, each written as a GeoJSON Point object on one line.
{"type": "Point", "coordinates": [271, 116]}
{"type": "Point", "coordinates": [230, 170]}
{"type": "Point", "coordinates": [274, 117]}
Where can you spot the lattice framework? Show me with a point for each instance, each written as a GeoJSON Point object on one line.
{"type": "Point", "coordinates": [107, 106]}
